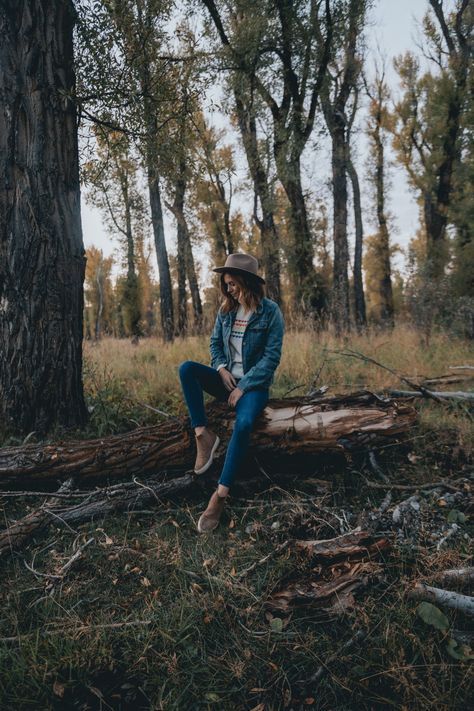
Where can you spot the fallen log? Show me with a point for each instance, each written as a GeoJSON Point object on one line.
{"type": "Point", "coordinates": [464, 576]}
{"type": "Point", "coordinates": [121, 497]}
{"type": "Point", "coordinates": [288, 426]}
{"type": "Point", "coordinates": [445, 598]}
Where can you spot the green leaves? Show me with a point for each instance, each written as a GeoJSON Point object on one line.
{"type": "Point", "coordinates": [433, 616]}
{"type": "Point", "coordinates": [276, 625]}
{"type": "Point", "coordinates": [455, 516]}
{"type": "Point", "coordinates": [459, 651]}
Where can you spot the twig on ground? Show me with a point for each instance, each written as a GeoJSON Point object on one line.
{"type": "Point", "coordinates": [323, 669]}
{"type": "Point", "coordinates": [412, 487]}
{"type": "Point", "coordinates": [77, 630]}
{"type": "Point", "coordinates": [278, 549]}
{"type": "Point", "coordinates": [376, 468]}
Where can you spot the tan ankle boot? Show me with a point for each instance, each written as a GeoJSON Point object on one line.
{"type": "Point", "coordinates": [209, 520]}
{"type": "Point", "coordinates": [206, 445]}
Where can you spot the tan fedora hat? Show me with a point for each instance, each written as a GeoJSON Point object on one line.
{"type": "Point", "coordinates": [240, 263]}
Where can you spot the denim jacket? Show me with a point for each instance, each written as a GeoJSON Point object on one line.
{"type": "Point", "coordinates": [261, 345]}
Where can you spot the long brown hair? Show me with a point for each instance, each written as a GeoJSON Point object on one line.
{"type": "Point", "coordinates": [251, 288]}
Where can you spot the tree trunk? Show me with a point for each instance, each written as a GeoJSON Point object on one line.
{"type": "Point", "coordinates": [180, 189]}
{"type": "Point", "coordinates": [286, 428]}
{"type": "Point", "coordinates": [41, 249]}
{"type": "Point", "coordinates": [100, 300]}
{"type": "Point", "coordinates": [166, 293]}
{"type": "Point", "coordinates": [266, 225]}
{"type": "Point", "coordinates": [385, 279]}
{"type": "Point", "coordinates": [340, 305]}
{"type": "Point", "coordinates": [307, 295]}
{"type": "Point", "coordinates": [359, 298]}
{"type": "Point", "coordinates": [192, 279]}
{"type": "Point", "coordinates": [131, 288]}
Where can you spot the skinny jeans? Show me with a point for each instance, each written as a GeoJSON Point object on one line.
{"type": "Point", "coordinates": [197, 379]}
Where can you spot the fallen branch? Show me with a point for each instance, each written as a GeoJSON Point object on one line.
{"type": "Point", "coordinates": [445, 598]}
{"type": "Point", "coordinates": [102, 502]}
{"type": "Point", "coordinates": [456, 395]}
{"type": "Point", "coordinates": [324, 669]}
{"type": "Point", "coordinates": [412, 487]}
{"type": "Point", "coordinates": [15, 535]}
{"type": "Point", "coordinates": [349, 353]}
{"type": "Point", "coordinates": [77, 630]}
{"type": "Point", "coordinates": [460, 575]}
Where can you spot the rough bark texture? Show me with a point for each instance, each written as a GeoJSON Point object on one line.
{"type": "Point", "coordinates": [359, 297]}
{"type": "Point", "coordinates": [244, 103]}
{"type": "Point", "coordinates": [340, 305]}
{"type": "Point", "coordinates": [385, 278]}
{"type": "Point", "coordinates": [286, 427]}
{"type": "Point", "coordinates": [41, 249]}
{"type": "Point", "coordinates": [436, 205]}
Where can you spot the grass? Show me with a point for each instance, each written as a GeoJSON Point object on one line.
{"type": "Point", "coordinates": [200, 638]}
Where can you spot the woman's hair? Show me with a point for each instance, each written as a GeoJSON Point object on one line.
{"type": "Point", "coordinates": [251, 288]}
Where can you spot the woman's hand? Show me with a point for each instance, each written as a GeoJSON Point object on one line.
{"type": "Point", "coordinates": [235, 396]}
{"type": "Point", "coordinates": [228, 379]}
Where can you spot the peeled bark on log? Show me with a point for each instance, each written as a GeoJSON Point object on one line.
{"type": "Point", "coordinates": [289, 426]}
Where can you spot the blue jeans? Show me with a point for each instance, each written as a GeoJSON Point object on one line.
{"type": "Point", "coordinates": [197, 378]}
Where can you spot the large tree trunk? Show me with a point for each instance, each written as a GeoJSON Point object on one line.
{"type": "Point", "coordinates": [287, 427]}
{"type": "Point", "coordinates": [41, 250]}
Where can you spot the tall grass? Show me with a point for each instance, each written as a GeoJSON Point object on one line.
{"type": "Point", "coordinates": [121, 378]}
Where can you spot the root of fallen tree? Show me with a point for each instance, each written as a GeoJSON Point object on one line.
{"type": "Point", "coordinates": [287, 426]}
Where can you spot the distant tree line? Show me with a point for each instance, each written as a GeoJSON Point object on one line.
{"type": "Point", "coordinates": [290, 72]}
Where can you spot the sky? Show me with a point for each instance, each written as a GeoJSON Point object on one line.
{"type": "Point", "coordinates": [394, 28]}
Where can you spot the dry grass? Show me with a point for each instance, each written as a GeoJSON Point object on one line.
{"type": "Point", "coordinates": [120, 377]}
{"type": "Point", "coordinates": [206, 644]}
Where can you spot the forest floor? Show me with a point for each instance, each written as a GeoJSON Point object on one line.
{"type": "Point", "coordinates": [155, 616]}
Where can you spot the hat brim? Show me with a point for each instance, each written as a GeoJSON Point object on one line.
{"type": "Point", "coordinates": [233, 270]}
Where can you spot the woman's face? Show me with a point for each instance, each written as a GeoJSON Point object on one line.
{"type": "Point", "coordinates": [232, 287]}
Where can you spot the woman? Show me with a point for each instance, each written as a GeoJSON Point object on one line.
{"type": "Point", "coordinates": [245, 351]}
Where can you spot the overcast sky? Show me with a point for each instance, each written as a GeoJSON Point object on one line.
{"type": "Point", "coordinates": [395, 29]}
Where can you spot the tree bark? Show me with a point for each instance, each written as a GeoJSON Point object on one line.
{"type": "Point", "coordinates": [179, 192]}
{"type": "Point", "coordinates": [385, 280]}
{"type": "Point", "coordinates": [459, 47]}
{"type": "Point", "coordinates": [359, 297]}
{"type": "Point", "coordinates": [41, 249]}
{"type": "Point", "coordinates": [244, 103]}
{"type": "Point", "coordinates": [286, 427]}
{"type": "Point", "coordinates": [341, 301]}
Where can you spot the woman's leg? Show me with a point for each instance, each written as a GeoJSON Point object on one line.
{"type": "Point", "coordinates": [196, 378]}
{"type": "Point", "coordinates": [248, 408]}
